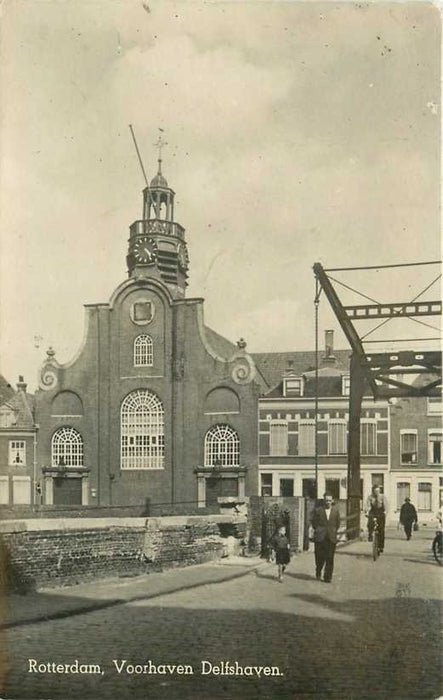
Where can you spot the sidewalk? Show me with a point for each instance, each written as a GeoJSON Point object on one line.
{"type": "Point", "coordinates": [65, 601]}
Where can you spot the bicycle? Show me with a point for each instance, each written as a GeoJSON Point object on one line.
{"type": "Point", "coordinates": [437, 547]}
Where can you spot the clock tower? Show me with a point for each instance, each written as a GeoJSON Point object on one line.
{"type": "Point", "coordinates": [157, 246]}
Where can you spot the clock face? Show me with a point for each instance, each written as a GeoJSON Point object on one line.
{"type": "Point", "coordinates": [144, 250]}
{"type": "Point", "coordinates": [182, 255]}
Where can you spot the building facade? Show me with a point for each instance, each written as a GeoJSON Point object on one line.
{"type": "Point", "coordinates": [155, 405]}
{"type": "Point", "coordinates": [18, 440]}
{"type": "Point", "coordinates": [287, 427]}
{"type": "Point", "coordinates": [400, 439]}
{"type": "Point", "coordinates": [416, 457]}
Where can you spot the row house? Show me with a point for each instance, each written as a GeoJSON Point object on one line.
{"type": "Point", "coordinates": [18, 441]}
{"type": "Point", "coordinates": [416, 454]}
{"type": "Point", "coordinates": [287, 426]}
{"type": "Point", "coordinates": [400, 438]}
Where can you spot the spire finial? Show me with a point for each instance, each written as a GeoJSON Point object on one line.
{"type": "Point", "coordinates": [160, 144]}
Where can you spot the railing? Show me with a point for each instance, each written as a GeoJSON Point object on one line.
{"type": "Point", "coordinates": [157, 227]}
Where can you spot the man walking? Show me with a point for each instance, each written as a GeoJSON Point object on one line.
{"type": "Point", "coordinates": [326, 522]}
{"type": "Point", "coordinates": [376, 509]}
{"type": "Point", "coordinates": [408, 516]}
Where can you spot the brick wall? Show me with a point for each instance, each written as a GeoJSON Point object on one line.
{"type": "Point", "coordinates": [296, 508]}
{"type": "Point", "coordinates": [44, 553]}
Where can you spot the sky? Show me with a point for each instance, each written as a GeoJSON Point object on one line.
{"type": "Point", "coordinates": [297, 132]}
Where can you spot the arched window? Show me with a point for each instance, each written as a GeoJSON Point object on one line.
{"type": "Point", "coordinates": [222, 447]}
{"type": "Point", "coordinates": [143, 351]}
{"type": "Point", "coordinates": [142, 431]}
{"type": "Point", "coordinates": [67, 448]}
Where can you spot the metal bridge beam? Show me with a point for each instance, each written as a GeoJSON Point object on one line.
{"type": "Point", "coordinates": [368, 311]}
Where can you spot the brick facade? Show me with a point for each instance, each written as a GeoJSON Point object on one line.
{"type": "Point", "coordinates": [199, 379]}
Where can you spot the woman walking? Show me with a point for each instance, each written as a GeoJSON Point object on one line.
{"type": "Point", "coordinates": [282, 551]}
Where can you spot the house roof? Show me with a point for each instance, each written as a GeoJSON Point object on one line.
{"type": "Point", "coordinates": [273, 365]}
{"type": "Point", "coordinates": [6, 389]}
{"type": "Point", "coordinates": [23, 406]}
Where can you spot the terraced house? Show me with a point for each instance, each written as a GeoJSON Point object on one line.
{"type": "Point", "coordinates": [287, 426]}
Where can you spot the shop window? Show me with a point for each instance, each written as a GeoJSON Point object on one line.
{"type": "Point", "coordinates": [286, 487]}
{"type": "Point", "coordinates": [378, 480]}
{"type": "Point", "coordinates": [332, 486]}
{"type": "Point", "coordinates": [266, 484]}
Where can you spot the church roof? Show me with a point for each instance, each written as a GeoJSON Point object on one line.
{"type": "Point", "coordinates": [159, 181]}
{"type": "Point", "coordinates": [221, 345]}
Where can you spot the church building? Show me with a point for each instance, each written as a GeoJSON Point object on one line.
{"type": "Point", "coordinates": [155, 405]}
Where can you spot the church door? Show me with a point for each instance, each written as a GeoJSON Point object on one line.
{"type": "Point", "coordinates": [67, 492]}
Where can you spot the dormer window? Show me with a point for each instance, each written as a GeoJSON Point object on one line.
{"type": "Point", "coordinates": [293, 386]}
{"type": "Point", "coordinates": [345, 384]}
{"type": "Point", "coordinates": [7, 418]}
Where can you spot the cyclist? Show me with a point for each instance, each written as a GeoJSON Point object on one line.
{"type": "Point", "coordinates": [376, 509]}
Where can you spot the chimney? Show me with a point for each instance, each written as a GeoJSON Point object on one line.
{"type": "Point", "coordinates": [21, 385]}
{"type": "Point", "coordinates": [329, 346]}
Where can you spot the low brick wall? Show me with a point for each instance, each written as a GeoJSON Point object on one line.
{"type": "Point", "coordinates": [178, 541]}
{"type": "Point", "coordinates": [43, 553]}
{"type": "Point", "coordinates": [294, 505]}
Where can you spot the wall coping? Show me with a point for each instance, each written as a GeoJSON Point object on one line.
{"type": "Point", "coordinates": [61, 524]}
{"type": "Point", "coordinates": [45, 524]}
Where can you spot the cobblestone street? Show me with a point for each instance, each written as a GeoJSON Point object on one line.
{"type": "Point", "coordinates": [375, 632]}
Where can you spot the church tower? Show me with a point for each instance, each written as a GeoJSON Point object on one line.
{"type": "Point", "coordinates": [157, 246]}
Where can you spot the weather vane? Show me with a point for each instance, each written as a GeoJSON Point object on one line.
{"type": "Point", "coordinates": [160, 144]}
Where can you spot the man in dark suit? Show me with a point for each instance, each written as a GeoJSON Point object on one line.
{"type": "Point", "coordinates": [326, 522]}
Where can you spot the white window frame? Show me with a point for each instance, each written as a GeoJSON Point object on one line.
{"type": "Point", "coordinates": [402, 483]}
{"type": "Point", "coordinates": [142, 433]}
{"type": "Point", "coordinates": [435, 405]}
{"type": "Point", "coordinates": [143, 351]}
{"type": "Point", "coordinates": [278, 438]}
{"type": "Point", "coordinates": [310, 435]}
{"type": "Point", "coordinates": [335, 422]}
{"type": "Point", "coordinates": [346, 384]}
{"type": "Point", "coordinates": [288, 391]}
{"type": "Point", "coordinates": [434, 431]}
{"type": "Point", "coordinates": [409, 431]}
{"type": "Point", "coordinates": [266, 486]}
{"type": "Point", "coordinates": [222, 446]}
{"type": "Point", "coordinates": [373, 422]}
{"type": "Point", "coordinates": [429, 490]}
{"type": "Point", "coordinates": [17, 448]}
{"type": "Point", "coordinates": [67, 447]}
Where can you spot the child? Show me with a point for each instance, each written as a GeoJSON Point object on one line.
{"type": "Point", "coordinates": [282, 551]}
